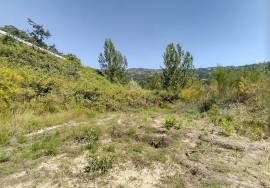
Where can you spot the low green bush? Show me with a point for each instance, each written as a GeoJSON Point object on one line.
{"type": "Point", "coordinates": [4, 136]}
{"type": "Point", "coordinates": [228, 126]}
{"type": "Point", "coordinates": [170, 122]}
{"type": "Point", "coordinates": [99, 163]}
{"type": "Point", "coordinates": [4, 157]}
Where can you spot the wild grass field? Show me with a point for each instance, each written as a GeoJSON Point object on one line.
{"type": "Point", "coordinates": [66, 125]}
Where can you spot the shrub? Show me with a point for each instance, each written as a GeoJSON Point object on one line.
{"type": "Point", "coordinates": [47, 146]}
{"type": "Point", "coordinates": [191, 94]}
{"type": "Point", "coordinates": [168, 96]}
{"type": "Point", "coordinates": [4, 136]}
{"type": "Point", "coordinates": [92, 138]}
{"type": "Point", "coordinates": [228, 126]}
{"type": "Point", "coordinates": [3, 158]}
{"type": "Point", "coordinates": [170, 122]}
{"type": "Point", "coordinates": [99, 163]}
{"type": "Point", "coordinates": [9, 86]}
{"type": "Point", "coordinates": [85, 134]}
{"type": "Point", "coordinates": [133, 85]}
{"type": "Point", "coordinates": [215, 114]}
{"type": "Point", "coordinates": [131, 131]}
{"type": "Point", "coordinates": [206, 104]}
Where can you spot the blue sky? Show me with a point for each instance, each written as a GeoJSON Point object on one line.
{"type": "Point", "coordinates": [225, 32]}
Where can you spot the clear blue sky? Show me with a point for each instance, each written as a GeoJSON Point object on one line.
{"type": "Point", "coordinates": [226, 32]}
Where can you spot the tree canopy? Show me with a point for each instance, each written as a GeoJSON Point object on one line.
{"type": "Point", "coordinates": [112, 63]}
{"type": "Point", "coordinates": [179, 70]}
{"type": "Point", "coordinates": [38, 33]}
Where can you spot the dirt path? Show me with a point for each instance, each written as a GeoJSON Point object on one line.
{"type": "Point", "coordinates": [99, 121]}
{"type": "Point", "coordinates": [48, 129]}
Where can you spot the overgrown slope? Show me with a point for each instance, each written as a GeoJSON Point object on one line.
{"type": "Point", "coordinates": [36, 80]}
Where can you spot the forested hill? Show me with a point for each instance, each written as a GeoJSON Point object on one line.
{"type": "Point", "coordinates": [143, 75]}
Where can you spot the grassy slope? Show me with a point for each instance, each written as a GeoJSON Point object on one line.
{"type": "Point", "coordinates": [38, 90]}
{"type": "Point", "coordinates": [118, 149]}
{"type": "Point", "coordinates": [42, 75]}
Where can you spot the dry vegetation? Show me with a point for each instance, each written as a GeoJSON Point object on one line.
{"type": "Point", "coordinates": [65, 125]}
{"type": "Point", "coordinates": [137, 149]}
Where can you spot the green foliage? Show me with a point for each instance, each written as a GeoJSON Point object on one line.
{"type": "Point", "coordinates": [133, 85]}
{"type": "Point", "coordinates": [38, 32]}
{"type": "Point", "coordinates": [131, 131]}
{"type": "Point", "coordinates": [9, 84]}
{"type": "Point", "coordinates": [92, 136]}
{"type": "Point", "coordinates": [237, 85]}
{"type": "Point", "coordinates": [179, 70]}
{"type": "Point", "coordinates": [48, 146]}
{"type": "Point", "coordinates": [170, 122]}
{"type": "Point", "coordinates": [191, 94]}
{"type": "Point", "coordinates": [171, 70]}
{"type": "Point", "coordinates": [73, 58]}
{"type": "Point", "coordinates": [21, 138]}
{"type": "Point", "coordinates": [112, 63]}
{"type": "Point", "coordinates": [4, 157]}
{"type": "Point", "coordinates": [16, 32]}
{"type": "Point", "coordinates": [99, 163]}
{"type": "Point", "coordinates": [255, 130]}
{"type": "Point", "coordinates": [228, 126]}
{"type": "Point", "coordinates": [156, 82]}
{"type": "Point", "coordinates": [35, 80]}
{"type": "Point", "coordinates": [215, 114]}
{"type": "Point", "coordinates": [167, 97]}
{"type": "Point", "coordinates": [85, 134]}
{"type": "Point", "coordinates": [4, 136]}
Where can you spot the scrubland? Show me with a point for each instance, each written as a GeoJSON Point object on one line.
{"type": "Point", "coordinates": [65, 125]}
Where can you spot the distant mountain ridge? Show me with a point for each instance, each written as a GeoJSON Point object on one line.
{"type": "Point", "coordinates": [143, 75]}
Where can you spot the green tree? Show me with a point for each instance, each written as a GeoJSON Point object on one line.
{"type": "Point", "coordinates": [156, 82]}
{"type": "Point", "coordinates": [221, 78]}
{"type": "Point", "coordinates": [113, 64]}
{"type": "Point", "coordinates": [179, 69]}
{"type": "Point", "coordinates": [38, 33]}
{"type": "Point", "coordinates": [187, 71]}
{"type": "Point", "coordinates": [171, 71]}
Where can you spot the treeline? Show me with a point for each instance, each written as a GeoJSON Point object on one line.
{"type": "Point", "coordinates": [178, 71]}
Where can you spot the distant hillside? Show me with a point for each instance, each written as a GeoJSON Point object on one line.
{"type": "Point", "coordinates": [143, 75]}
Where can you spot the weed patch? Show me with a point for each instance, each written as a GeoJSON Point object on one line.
{"type": "Point", "coordinates": [4, 157]}
{"type": "Point", "coordinates": [99, 163]}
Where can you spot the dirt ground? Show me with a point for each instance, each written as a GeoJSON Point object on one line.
{"type": "Point", "coordinates": [205, 158]}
